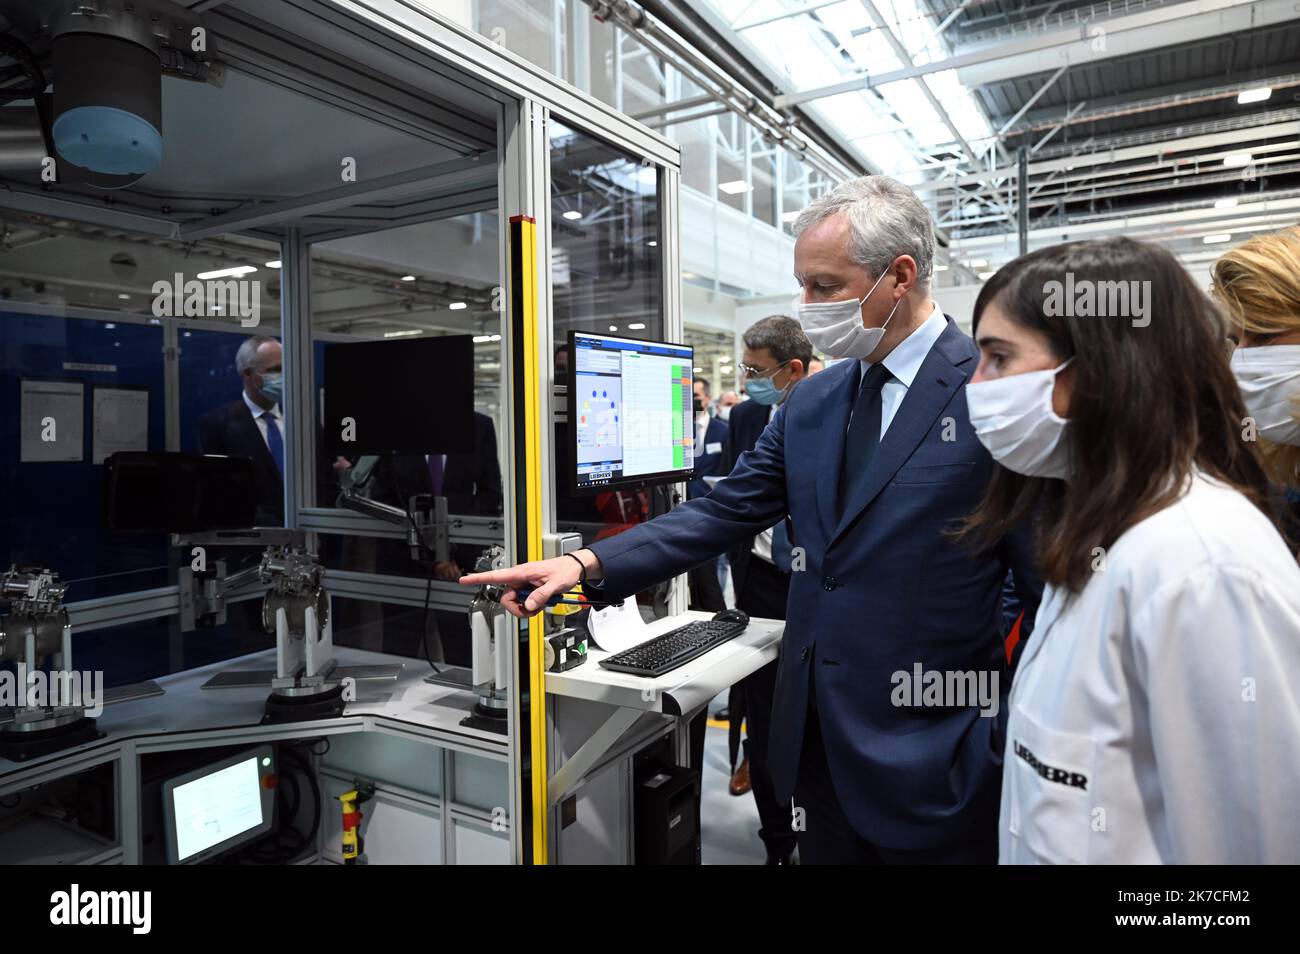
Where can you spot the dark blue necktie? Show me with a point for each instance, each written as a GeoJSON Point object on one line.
{"type": "Point", "coordinates": [864, 432]}
{"type": "Point", "coordinates": [275, 441]}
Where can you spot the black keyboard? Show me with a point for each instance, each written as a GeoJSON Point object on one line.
{"type": "Point", "coordinates": [674, 648]}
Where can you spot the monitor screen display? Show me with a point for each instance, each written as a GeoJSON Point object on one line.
{"type": "Point", "coordinates": [216, 807]}
{"type": "Point", "coordinates": [631, 412]}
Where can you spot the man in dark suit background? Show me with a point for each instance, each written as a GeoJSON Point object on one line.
{"type": "Point", "coordinates": [875, 461]}
{"type": "Point", "coordinates": [253, 426]}
{"type": "Point", "coordinates": [470, 480]}
{"type": "Point", "coordinates": [774, 361]}
{"type": "Point", "coordinates": [710, 435]}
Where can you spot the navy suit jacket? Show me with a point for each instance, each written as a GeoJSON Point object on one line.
{"type": "Point", "coordinates": [231, 431]}
{"type": "Point", "coordinates": [884, 589]}
{"type": "Point", "coordinates": [744, 427]}
{"type": "Point", "coordinates": [707, 464]}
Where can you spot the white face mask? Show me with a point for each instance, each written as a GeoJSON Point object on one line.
{"type": "Point", "coordinates": [724, 412]}
{"type": "Point", "coordinates": [835, 327]}
{"type": "Point", "coordinates": [1013, 418]}
{"type": "Point", "coordinates": [1269, 378]}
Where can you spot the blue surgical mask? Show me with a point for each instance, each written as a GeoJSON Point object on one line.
{"type": "Point", "coordinates": [273, 386]}
{"type": "Point", "coordinates": [764, 391]}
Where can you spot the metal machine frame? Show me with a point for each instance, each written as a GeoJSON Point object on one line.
{"type": "Point", "coordinates": [379, 58]}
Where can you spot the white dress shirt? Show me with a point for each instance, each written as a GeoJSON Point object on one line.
{"type": "Point", "coordinates": [257, 413]}
{"type": "Point", "coordinates": [903, 363]}
{"type": "Point", "coordinates": [701, 430]}
{"type": "Point", "coordinates": [763, 542]}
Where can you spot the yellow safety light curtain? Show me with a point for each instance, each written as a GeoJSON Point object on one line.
{"type": "Point", "coordinates": [530, 693]}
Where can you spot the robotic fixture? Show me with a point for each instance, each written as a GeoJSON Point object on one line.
{"type": "Point", "coordinates": [491, 645]}
{"type": "Point", "coordinates": [35, 627]}
{"type": "Point", "coordinates": [307, 683]}
{"type": "Point", "coordinates": [208, 501]}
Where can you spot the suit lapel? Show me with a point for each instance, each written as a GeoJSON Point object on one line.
{"type": "Point", "coordinates": [939, 377]}
{"type": "Point", "coordinates": [835, 422]}
{"type": "Point", "coordinates": [252, 437]}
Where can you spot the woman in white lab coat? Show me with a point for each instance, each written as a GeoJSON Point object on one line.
{"type": "Point", "coordinates": [1258, 283]}
{"type": "Point", "coordinates": [1155, 713]}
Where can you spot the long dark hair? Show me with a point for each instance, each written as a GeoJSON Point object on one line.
{"type": "Point", "coordinates": [1152, 396]}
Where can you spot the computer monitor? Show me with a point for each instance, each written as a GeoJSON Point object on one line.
{"type": "Point", "coordinates": [631, 412]}
{"type": "Point", "coordinates": [220, 806]}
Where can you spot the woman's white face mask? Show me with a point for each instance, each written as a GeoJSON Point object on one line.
{"type": "Point", "coordinates": [1013, 418]}
{"type": "Point", "coordinates": [1269, 378]}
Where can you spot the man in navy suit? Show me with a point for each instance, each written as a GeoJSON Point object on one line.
{"type": "Point", "coordinates": [470, 480]}
{"type": "Point", "coordinates": [875, 462]}
{"type": "Point", "coordinates": [710, 436]}
{"type": "Point", "coordinates": [775, 356]}
{"type": "Point", "coordinates": [253, 426]}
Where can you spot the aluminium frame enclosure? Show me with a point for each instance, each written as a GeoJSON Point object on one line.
{"type": "Point", "coordinates": [383, 57]}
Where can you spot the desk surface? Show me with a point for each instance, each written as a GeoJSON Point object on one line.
{"type": "Point", "coordinates": [409, 703]}
{"type": "Point", "coordinates": [684, 689]}
{"type": "Point", "coordinates": [185, 708]}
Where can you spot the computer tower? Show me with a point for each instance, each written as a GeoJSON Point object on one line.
{"type": "Point", "coordinates": [664, 806]}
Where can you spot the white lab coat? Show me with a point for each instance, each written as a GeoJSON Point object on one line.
{"type": "Point", "coordinates": [1155, 716]}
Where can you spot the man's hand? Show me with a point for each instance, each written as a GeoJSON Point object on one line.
{"type": "Point", "coordinates": [547, 577]}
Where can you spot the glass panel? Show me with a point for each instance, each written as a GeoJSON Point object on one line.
{"type": "Point", "coordinates": [696, 140]}
{"type": "Point", "coordinates": [763, 176]}
{"type": "Point", "coordinates": [526, 27]}
{"type": "Point", "coordinates": [55, 372]}
{"type": "Point", "coordinates": [119, 353]}
{"type": "Point", "coordinates": [606, 277]}
{"type": "Point", "coordinates": [436, 279]}
{"type": "Point", "coordinates": [733, 182]}
{"type": "Point", "coordinates": [85, 322]}
{"type": "Point", "coordinates": [438, 636]}
{"type": "Point", "coordinates": [605, 233]}
{"type": "Point", "coordinates": [714, 359]}
{"type": "Point", "coordinates": [600, 60]}
{"type": "Point", "coordinates": [643, 78]}
{"type": "Point", "coordinates": [801, 184]}
{"type": "Point", "coordinates": [417, 283]}
{"type": "Point", "coordinates": [85, 318]}
{"type": "Point", "coordinates": [227, 385]}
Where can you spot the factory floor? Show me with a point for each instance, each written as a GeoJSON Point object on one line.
{"type": "Point", "coordinates": [729, 823]}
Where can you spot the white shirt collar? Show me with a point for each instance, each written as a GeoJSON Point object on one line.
{"type": "Point", "coordinates": [905, 360]}
{"type": "Point", "coordinates": [258, 411]}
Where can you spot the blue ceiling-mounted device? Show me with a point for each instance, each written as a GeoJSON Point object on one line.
{"type": "Point", "coordinates": [109, 58]}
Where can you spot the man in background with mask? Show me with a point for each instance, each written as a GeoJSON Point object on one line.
{"type": "Point", "coordinates": [774, 361]}
{"type": "Point", "coordinates": [726, 402]}
{"type": "Point", "coordinates": [710, 433]}
{"type": "Point", "coordinates": [253, 426]}
{"type": "Point", "coordinates": [880, 741]}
